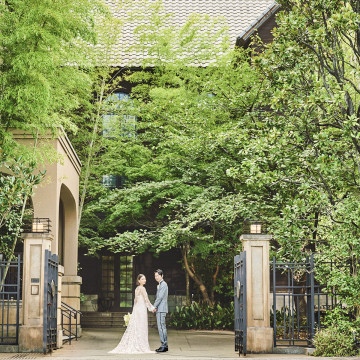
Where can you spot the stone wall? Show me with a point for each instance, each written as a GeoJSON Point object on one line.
{"type": "Point", "coordinates": [89, 303]}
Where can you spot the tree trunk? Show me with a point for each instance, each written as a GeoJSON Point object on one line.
{"type": "Point", "coordinates": [214, 278]}
{"type": "Point", "coordinates": [13, 246]}
{"type": "Point", "coordinates": [197, 279]}
{"type": "Point", "coordinates": [17, 229]}
{"type": "Point", "coordinates": [90, 153]}
{"type": "Point", "coordinates": [300, 304]}
{"type": "Point", "coordinates": [187, 281]}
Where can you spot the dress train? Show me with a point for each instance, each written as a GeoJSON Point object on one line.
{"type": "Point", "coordinates": [136, 337]}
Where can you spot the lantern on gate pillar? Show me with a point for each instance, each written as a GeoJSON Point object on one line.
{"type": "Point", "coordinates": [254, 227]}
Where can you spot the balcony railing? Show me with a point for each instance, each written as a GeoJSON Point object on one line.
{"type": "Point", "coordinates": [37, 225]}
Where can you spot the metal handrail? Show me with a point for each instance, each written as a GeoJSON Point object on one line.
{"type": "Point", "coordinates": [69, 312]}
{"type": "Point", "coordinates": [37, 225]}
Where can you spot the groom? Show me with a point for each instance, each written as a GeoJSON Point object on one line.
{"type": "Point", "coordinates": [161, 308]}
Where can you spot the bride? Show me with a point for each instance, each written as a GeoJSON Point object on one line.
{"type": "Point", "coordinates": [135, 339]}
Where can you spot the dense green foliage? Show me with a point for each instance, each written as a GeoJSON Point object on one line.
{"type": "Point", "coordinates": [15, 189]}
{"type": "Point", "coordinates": [174, 171]}
{"type": "Point", "coordinates": [176, 192]}
{"type": "Point", "coordinates": [312, 68]}
{"type": "Point", "coordinates": [221, 135]}
{"type": "Point", "coordinates": [203, 317]}
{"type": "Point", "coordinates": [273, 138]}
{"type": "Point", "coordinates": [40, 44]}
{"type": "Point", "coordinates": [334, 342]}
{"type": "Point", "coordinates": [44, 80]}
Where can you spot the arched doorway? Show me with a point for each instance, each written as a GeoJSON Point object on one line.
{"type": "Point", "coordinates": [61, 235]}
{"type": "Point", "coordinates": [67, 231]}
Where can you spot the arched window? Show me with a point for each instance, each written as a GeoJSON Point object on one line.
{"type": "Point", "coordinates": [117, 122]}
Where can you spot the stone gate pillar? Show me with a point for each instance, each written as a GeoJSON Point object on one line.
{"type": "Point", "coordinates": [31, 332]}
{"type": "Point", "coordinates": [259, 332]}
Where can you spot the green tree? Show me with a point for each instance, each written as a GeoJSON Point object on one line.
{"type": "Point", "coordinates": [44, 79]}
{"type": "Point", "coordinates": [274, 137]}
{"type": "Point", "coordinates": [15, 189]}
{"type": "Point", "coordinates": [105, 79]}
{"type": "Point", "coordinates": [313, 73]}
{"type": "Point", "coordinates": [43, 52]}
{"type": "Point", "coordinates": [177, 192]}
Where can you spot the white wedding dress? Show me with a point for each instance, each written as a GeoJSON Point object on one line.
{"type": "Point", "coordinates": [135, 339]}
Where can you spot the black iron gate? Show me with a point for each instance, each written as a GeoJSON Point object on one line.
{"type": "Point", "coordinates": [50, 301]}
{"type": "Point", "coordinates": [299, 303]}
{"type": "Point", "coordinates": [240, 324]}
{"type": "Point", "coordinates": [10, 295]}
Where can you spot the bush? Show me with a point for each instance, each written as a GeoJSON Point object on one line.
{"type": "Point", "coordinates": [340, 335]}
{"type": "Point", "coordinates": [203, 316]}
{"type": "Point", "coordinates": [334, 342]}
{"type": "Point", "coordinates": [343, 319]}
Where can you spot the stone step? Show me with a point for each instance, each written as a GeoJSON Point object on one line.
{"type": "Point", "coordinates": [105, 325]}
{"type": "Point", "coordinates": [104, 314]}
{"type": "Point", "coordinates": [97, 326]}
{"type": "Point", "coordinates": [103, 319]}
{"type": "Point", "coordinates": [108, 319]}
{"type": "Point", "coordinates": [101, 316]}
{"type": "Point", "coordinates": [67, 338]}
{"type": "Point", "coordinates": [87, 321]}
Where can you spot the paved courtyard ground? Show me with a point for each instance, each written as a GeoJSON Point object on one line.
{"type": "Point", "coordinates": [195, 345]}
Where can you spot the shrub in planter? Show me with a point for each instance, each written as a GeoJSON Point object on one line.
{"type": "Point", "coordinates": [203, 316]}
{"type": "Point", "coordinates": [334, 342]}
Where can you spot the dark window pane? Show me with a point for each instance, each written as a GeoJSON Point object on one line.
{"type": "Point", "coordinates": [114, 116]}
{"type": "Point", "coordinates": [126, 280]}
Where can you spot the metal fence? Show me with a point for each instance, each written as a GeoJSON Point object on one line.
{"type": "Point", "coordinates": [300, 302]}
{"type": "Point", "coordinates": [10, 296]}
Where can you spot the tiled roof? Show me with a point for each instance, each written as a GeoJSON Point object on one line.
{"type": "Point", "coordinates": [239, 15]}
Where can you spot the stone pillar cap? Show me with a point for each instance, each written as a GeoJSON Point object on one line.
{"type": "Point", "coordinates": [256, 237]}
{"type": "Point", "coordinates": [38, 235]}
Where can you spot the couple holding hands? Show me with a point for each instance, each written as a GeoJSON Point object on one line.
{"type": "Point", "coordinates": [135, 339]}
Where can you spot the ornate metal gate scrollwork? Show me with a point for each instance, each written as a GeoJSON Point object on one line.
{"type": "Point", "coordinates": [240, 323]}
{"type": "Point", "coordinates": [50, 302]}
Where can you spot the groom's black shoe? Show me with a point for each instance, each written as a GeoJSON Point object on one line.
{"type": "Point", "coordinates": [162, 349]}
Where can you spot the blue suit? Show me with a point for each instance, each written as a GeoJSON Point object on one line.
{"type": "Point", "coordinates": [161, 306]}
